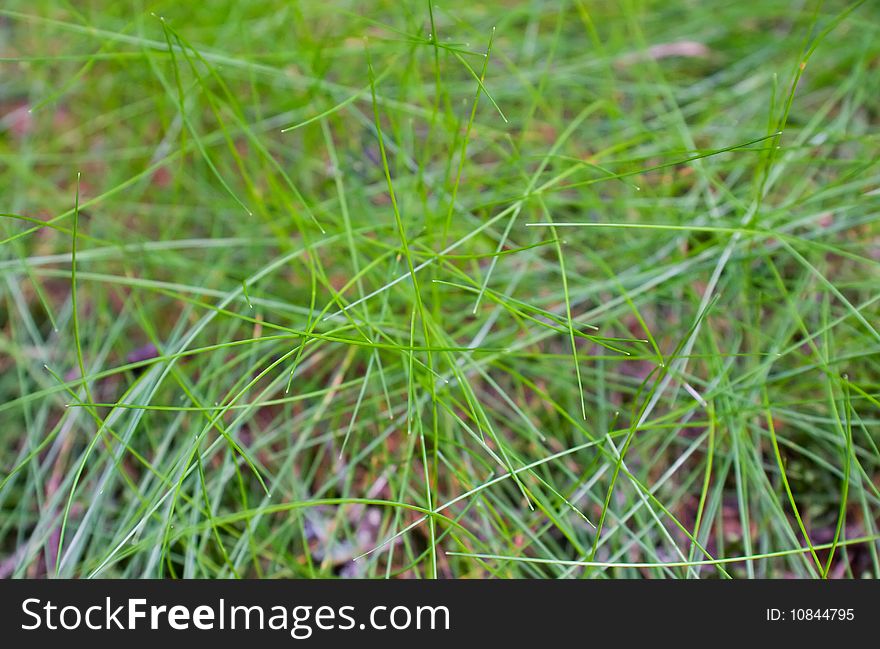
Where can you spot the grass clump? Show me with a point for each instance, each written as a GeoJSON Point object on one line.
{"type": "Point", "coordinates": [568, 289]}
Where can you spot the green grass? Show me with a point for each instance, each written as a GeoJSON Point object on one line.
{"type": "Point", "coordinates": [513, 289]}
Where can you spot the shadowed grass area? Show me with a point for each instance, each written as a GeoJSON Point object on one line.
{"type": "Point", "coordinates": [509, 289]}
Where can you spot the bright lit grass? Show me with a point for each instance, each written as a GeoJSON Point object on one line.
{"type": "Point", "coordinates": [521, 289]}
